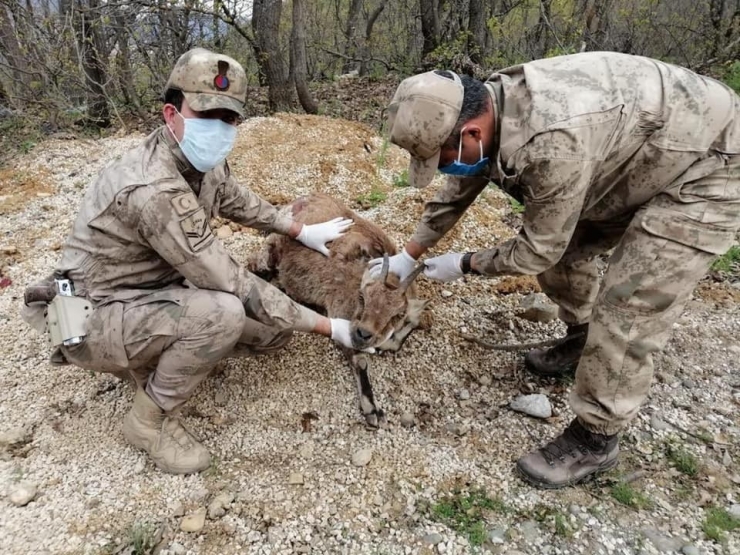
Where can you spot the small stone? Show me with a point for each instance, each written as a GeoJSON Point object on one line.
{"type": "Point", "coordinates": [177, 549]}
{"type": "Point", "coordinates": [497, 535]}
{"type": "Point", "coordinates": [274, 534]}
{"type": "Point", "coordinates": [221, 397]}
{"type": "Point", "coordinates": [661, 542]}
{"type": "Point", "coordinates": [432, 539]}
{"type": "Point", "coordinates": [306, 451]}
{"type": "Point", "coordinates": [446, 294]}
{"type": "Point", "coordinates": [575, 510]}
{"type": "Point", "coordinates": [726, 458]}
{"type": "Point", "coordinates": [538, 308]}
{"type": "Point", "coordinates": [296, 479]}
{"type": "Point", "coordinates": [140, 466]}
{"type": "Point", "coordinates": [689, 384]}
{"type": "Point", "coordinates": [530, 531]}
{"type": "Point", "coordinates": [735, 510]}
{"type": "Point", "coordinates": [407, 419]}
{"type": "Point", "coordinates": [223, 232]}
{"type": "Point", "coordinates": [254, 536]}
{"type": "Point", "coordinates": [657, 424]}
{"type": "Point", "coordinates": [689, 549]}
{"type": "Point", "coordinates": [200, 495]}
{"type": "Point", "coordinates": [194, 522]}
{"type": "Point", "coordinates": [23, 494]}
{"type": "Point", "coordinates": [14, 437]}
{"type": "Point", "coordinates": [536, 405]}
{"type": "Point", "coordinates": [378, 501]}
{"type": "Point", "coordinates": [218, 506]}
{"type": "Point", "coordinates": [464, 395]}
{"type": "Point", "coordinates": [362, 457]}
{"type": "Point", "coordinates": [92, 503]}
{"type": "Point", "coordinates": [9, 249]}
{"type": "Point", "coordinates": [178, 509]}
{"type": "Point", "coordinates": [485, 380]}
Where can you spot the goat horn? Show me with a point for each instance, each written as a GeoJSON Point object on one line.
{"type": "Point", "coordinates": [411, 277]}
{"type": "Point", "coordinates": [384, 269]}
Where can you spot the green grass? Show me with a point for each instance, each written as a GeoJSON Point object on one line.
{"type": "Point", "coordinates": [383, 150]}
{"type": "Point", "coordinates": [552, 516]}
{"type": "Point", "coordinates": [717, 521]}
{"type": "Point", "coordinates": [629, 496]}
{"type": "Point", "coordinates": [727, 261]}
{"type": "Point", "coordinates": [465, 513]}
{"type": "Point", "coordinates": [516, 206]}
{"type": "Point", "coordinates": [402, 179]}
{"type": "Point", "coordinates": [371, 199]}
{"type": "Point", "coordinates": [732, 76]}
{"type": "Point", "coordinates": [684, 461]}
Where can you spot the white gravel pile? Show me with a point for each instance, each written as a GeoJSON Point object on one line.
{"type": "Point", "coordinates": [69, 484]}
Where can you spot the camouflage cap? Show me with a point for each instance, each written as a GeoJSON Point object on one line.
{"type": "Point", "coordinates": [209, 80]}
{"type": "Point", "coordinates": [421, 116]}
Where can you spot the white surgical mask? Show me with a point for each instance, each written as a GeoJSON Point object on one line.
{"type": "Point", "coordinates": [206, 142]}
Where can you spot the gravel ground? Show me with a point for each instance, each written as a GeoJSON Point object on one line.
{"type": "Point", "coordinates": [284, 429]}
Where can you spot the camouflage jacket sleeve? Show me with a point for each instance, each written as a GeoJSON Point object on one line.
{"type": "Point", "coordinates": [554, 189]}
{"type": "Point", "coordinates": [175, 225]}
{"type": "Point", "coordinates": [242, 205]}
{"type": "Point", "coordinates": [446, 208]}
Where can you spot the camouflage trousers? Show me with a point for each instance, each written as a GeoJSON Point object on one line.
{"type": "Point", "coordinates": [168, 341]}
{"type": "Point", "coordinates": [660, 254]}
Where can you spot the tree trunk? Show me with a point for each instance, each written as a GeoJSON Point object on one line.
{"type": "Point", "coordinates": [350, 34]}
{"type": "Point", "coordinates": [92, 52]}
{"type": "Point", "coordinates": [429, 25]}
{"type": "Point", "coordinates": [477, 30]}
{"type": "Point", "coordinates": [298, 59]}
{"type": "Point", "coordinates": [266, 28]}
{"type": "Point", "coordinates": [12, 52]}
{"type": "Point", "coordinates": [366, 53]}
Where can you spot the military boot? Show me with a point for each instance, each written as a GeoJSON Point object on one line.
{"type": "Point", "coordinates": [570, 458]}
{"type": "Point", "coordinates": [562, 359]}
{"type": "Point", "coordinates": [171, 447]}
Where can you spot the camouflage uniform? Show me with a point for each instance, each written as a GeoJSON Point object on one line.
{"type": "Point", "coordinates": [605, 151]}
{"type": "Point", "coordinates": [169, 300]}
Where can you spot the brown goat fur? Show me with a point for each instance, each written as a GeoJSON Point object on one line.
{"type": "Point", "coordinates": [382, 311]}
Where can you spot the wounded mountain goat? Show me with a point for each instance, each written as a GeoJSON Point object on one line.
{"type": "Point", "coordinates": [382, 311]}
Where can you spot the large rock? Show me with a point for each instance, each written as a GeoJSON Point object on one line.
{"type": "Point", "coordinates": [538, 308]}
{"type": "Point", "coordinates": [362, 457]}
{"type": "Point", "coordinates": [23, 494]}
{"type": "Point", "coordinates": [194, 522]}
{"type": "Point", "coordinates": [536, 405]}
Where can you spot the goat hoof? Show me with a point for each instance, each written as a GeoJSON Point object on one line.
{"type": "Point", "coordinates": [376, 420]}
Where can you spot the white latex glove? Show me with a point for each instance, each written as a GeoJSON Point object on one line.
{"type": "Point", "coordinates": [446, 267]}
{"type": "Point", "coordinates": [401, 264]}
{"type": "Point", "coordinates": [340, 333]}
{"type": "Point", "coordinates": [316, 236]}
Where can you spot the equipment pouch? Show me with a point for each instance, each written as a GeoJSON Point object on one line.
{"type": "Point", "coordinates": [66, 318]}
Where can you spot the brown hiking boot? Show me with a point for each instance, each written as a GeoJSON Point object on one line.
{"type": "Point", "coordinates": [560, 360]}
{"type": "Point", "coordinates": [570, 458]}
{"type": "Point", "coordinates": [170, 445]}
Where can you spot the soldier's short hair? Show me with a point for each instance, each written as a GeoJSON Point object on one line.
{"type": "Point", "coordinates": [174, 97]}
{"type": "Point", "coordinates": [475, 103]}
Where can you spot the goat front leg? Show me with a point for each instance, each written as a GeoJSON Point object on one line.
{"type": "Point", "coordinates": [374, 417]}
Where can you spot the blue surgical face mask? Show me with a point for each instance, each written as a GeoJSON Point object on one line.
{"type": "Point", "coordinates": [466, 170]}
{"type": "Point", "coordinates": [206, 142]}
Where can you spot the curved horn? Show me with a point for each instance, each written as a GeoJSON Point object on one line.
{"type": "Point", "coordinates": [411, 277]}
{"type": "Point", "coordinates": [384, 269]}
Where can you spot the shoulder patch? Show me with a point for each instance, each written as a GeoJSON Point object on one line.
{"type": "Point", "coordinates": [196, 229]}
{"type": "Point", "coordinates": [184, 203]}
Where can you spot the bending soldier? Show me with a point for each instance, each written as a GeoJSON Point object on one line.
{"type": "Point", "coordinates": [606, 151]}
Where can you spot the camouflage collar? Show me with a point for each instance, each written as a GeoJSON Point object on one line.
{"type": "Point", "coordinates": [188, 172]}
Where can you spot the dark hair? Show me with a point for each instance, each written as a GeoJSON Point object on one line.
{"type": "Point", "coordinates": [174, 97]}
{"type": "Point", "coordinates": [475, 103]}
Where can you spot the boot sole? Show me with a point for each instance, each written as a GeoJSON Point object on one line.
{"type": "Point", "coordinates": [582, 480]}
{"type": "Point", "coordinates": [567, 371]}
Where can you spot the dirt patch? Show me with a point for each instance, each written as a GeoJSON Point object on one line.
{"type": "Point", "coordinates": [517, 284]}
{"type": "Point", "coordinates": [18, 187]}
{"type": "Point", "coordinates": [721, 294]}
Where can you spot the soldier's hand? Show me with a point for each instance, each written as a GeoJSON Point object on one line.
{"type": "Point", "coordinates": [446, 267]}
{"type": "Point", "coordinates": [401, 264]}
{"type": "Point", "coordinates": [340, 332]}
{"type": "Point", "coordinates": [316, 236]}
